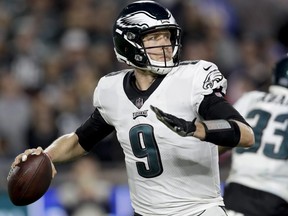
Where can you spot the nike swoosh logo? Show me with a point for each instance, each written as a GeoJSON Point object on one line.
{"type": "Point", "coordinates": [207, 68]}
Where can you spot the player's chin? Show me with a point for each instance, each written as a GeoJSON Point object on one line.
{"type": "Point", "coordinates": [162, 59]}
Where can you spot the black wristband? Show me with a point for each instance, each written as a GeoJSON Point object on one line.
{"type": "Point", "coordinates": [222, 132]}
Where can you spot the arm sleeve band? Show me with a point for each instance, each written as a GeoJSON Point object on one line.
{"type": "Point", "coordinates": [222, 132]}
{"type": "Point", "coordinates": [214, 107]}
{"type": "Point", "coordinates": [93, 130]}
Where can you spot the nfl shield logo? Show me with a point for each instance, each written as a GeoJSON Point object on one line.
{"type": "Point", "coordinates": [139, 103]}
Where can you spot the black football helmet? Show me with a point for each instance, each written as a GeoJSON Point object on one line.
{"type": "Point", "coordinates": [134, 22]}
{"type": "Point", "coordinates": [280, 77]}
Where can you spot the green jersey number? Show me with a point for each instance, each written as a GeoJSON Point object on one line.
{"type": "Point", "coordinates": [144, 145]}
{"type": "Point", "coordinates": [269, 149]}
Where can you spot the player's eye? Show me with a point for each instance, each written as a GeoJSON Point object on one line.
{"type": "Point", "coordinates": [157, 36]}
{"type": "Point", "coordinates": [150, 38]}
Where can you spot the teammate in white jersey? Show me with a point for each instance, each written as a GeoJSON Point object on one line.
{"type": "Point", "coordinates": [258, 180]}
{"type": "Point", "coordinates": [172, 167]}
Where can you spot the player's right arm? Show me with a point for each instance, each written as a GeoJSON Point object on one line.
{"type": "Point", "coordinates": [62, 149]}
{"type": "Point", "coordinates": [65, 148]}
{"type": "Point", "coordinates": [73, 145]}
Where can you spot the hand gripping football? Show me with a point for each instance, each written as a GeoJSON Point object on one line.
{"type": "Point", "coordinates": [29, 180]}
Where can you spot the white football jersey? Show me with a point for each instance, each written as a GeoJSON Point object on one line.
{"type": "Point", "coordinates": [167, 174]}
{"type": "Point", "coordinates": [264, 166]}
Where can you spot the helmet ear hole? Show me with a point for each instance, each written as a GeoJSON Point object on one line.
{"type": "Point", "coordinates": [138, 58]}
{"type": "Point", "coordinates": [137, 19]}
{"type": "Point", "coordinates": [130, 36]}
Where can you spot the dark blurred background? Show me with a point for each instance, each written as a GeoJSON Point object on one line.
{"type": "Point", "coordinates": [52, 54]}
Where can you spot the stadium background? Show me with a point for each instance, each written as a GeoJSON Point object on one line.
{"type": "Point", "coordinates": [53, 52]}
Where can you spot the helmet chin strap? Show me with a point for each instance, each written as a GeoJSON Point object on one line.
{"type": "Point", "coordinates": [159, 70]}
{"type": "Point", "coordinates": [160, 67]}
{"type": "Point", "coordinates": [161, 64]}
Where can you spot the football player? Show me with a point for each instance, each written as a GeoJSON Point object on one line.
{"type": "Point", "coordinates": [169, 118]}
{"type": "Point", "coordinates": [258, 180]}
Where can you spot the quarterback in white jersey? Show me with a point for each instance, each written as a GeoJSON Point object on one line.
{"type": "Point", "coordinates": [164, 169]}
{"type": "Point", "coordinates": [171, 157]}
{"type": "Point", "coordinates": [262, 170]}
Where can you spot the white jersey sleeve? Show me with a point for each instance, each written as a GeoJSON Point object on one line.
{"type": "Point", "coordinates": [264, 166]}
{"type": "Point", "coordinates": [207, 79]}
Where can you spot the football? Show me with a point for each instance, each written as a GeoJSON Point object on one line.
{"type": "Point", "coordinates": [29, 180]}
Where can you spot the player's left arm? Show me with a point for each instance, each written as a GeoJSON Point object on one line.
{"type": "Point", "coordinates": [222, 124]}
